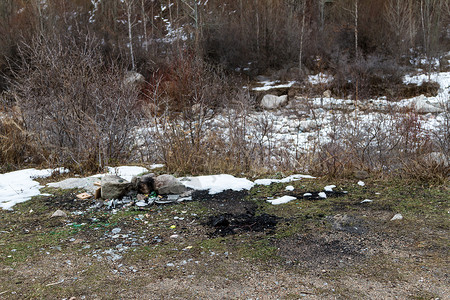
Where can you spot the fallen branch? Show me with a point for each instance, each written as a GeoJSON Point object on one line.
{"type": "Point", "coordinates": [55, 283]}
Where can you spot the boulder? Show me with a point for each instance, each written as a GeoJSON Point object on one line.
{"type": "Point", "coordinates": [114, 187]}
{"type": "Point", "coordinates": [361, 174]}
{"type": "Point", "coordinates": [167, 184]}
{"type": "Point", "coordinates": [144, 184]}
{"type": "Point", "coordinates": [424, 106]}
{"type": "Point", "coordinates": [273, 102]}
{"type": "Point", "coordinates": [437, 158]}
{"type": "Point", "coordinates": [133, 78]}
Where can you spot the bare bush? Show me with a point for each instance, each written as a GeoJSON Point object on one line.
{"type": "Point", "coordinates": [78, 110]}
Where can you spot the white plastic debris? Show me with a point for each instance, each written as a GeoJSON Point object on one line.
{"type": "Point", "coordinates": [397, 217]}
{"type": "Point", "coordinates": [361, 183]}
{"type": "Point", "coordinates": [116, 230]}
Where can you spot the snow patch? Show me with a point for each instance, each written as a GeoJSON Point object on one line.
{"type": "Point", "coordinates": [217, 183]}
{"type": "Point", "coordinates": [19, 186]}
{"type": "Point", "coordinates": [282, 200]}
{"type": "Point", "coordinates": [284, 180]}
{"type": "Point", "coordinates": [329, 188]}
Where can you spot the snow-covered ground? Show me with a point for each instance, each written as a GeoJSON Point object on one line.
{"type": "Point", "coordinates": [296, 128]}
{"type": "Point", "coordinates": [20, 186]}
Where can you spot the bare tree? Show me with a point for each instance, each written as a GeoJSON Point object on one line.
{"type": "Point", "coordinates": [399, 14]}
{"type": "Point", "coordinates": [129, 4]}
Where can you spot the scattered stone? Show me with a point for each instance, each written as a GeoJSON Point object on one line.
{"type": "Point", "coordinates": [360, 174]}
{"type": "Point", "coordinates": [84, 196]}
{"type": "Point", "coordinates": [327, 94]}
{"type": "Point", "coordinates": [168, 184]}
{"type": "Point", "coordinates": [114, 187]}
{"type": "Point", "coordinates": [174, 236]}
{"type": "Point", "coordinates": [144, 184]}
{"type": "Point", "coordinates": [273, 102]}
{"type": "Point", "coordinates": [59, 214]}
{"type": "Point", "coordinates": [437, 158]}
{"type": "Point", "coordinates": [397, 217]}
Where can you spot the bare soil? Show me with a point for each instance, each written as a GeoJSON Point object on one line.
{"type": "Point", "coordinates": [233, 245]}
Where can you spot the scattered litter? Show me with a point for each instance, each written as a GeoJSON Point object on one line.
{"type": "Point", "coordinates": [397, 217]}
{"type": "Point", "coordinates": [116, 230]}
{"type": "Point", "coordinates": [84, 196]}
{"type": "Point", "coordinates": [361, 183]}
{"type": "Point", "coordinates": [366, 201]}
{"type": "Point", "coordinates": [185, 199]}
{"type": "Point", "coordinates": [141, 203]}
{"type": "Point", "coordinates": [173, 198]}
{"type": "Point", "coordinates": [282, 200]}
{"type": "Point", "coordinates": [173, 226]}
{"type": "Point", "coordinates": [289, 188]}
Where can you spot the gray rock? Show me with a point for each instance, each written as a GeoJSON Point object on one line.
{"type": "Point", "coordinates": [273, 102]}
{"type": "Point", "coordinates": [437, 158]}
{"type": "Point", "coordinates": [114, 187]}
{"type": "Point", "coordinates": [167, 184]}
{"type": "Point", "coordinates": [327, 94]}
{"type": "Point", "coordinates": [361, 174]}
{"type": "Point", "coordinates": [422, 105]}
{"type": "Point", "coordinates": [133, 78]}
{"type": "Point", "coordinates": [59, 214]}
{"type": "Point", "coordinates": [144, 184]}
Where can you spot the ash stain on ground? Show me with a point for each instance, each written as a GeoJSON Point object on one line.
{"type": "Point", "coordinates": [235, 214]}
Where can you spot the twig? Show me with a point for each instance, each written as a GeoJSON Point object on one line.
{"type": "Point", "coordinates": [55, 283]}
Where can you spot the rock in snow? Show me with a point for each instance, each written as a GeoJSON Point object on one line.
{"type": "Point", "coordinates": [273, 102]}
{"type": "Point", "coordinates": [114, 187]}
{"type": "Point", "coordinates": [168, 184]}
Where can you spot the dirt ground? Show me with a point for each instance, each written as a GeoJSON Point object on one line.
{"type": "Point", "coordinates": [234, 245]}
